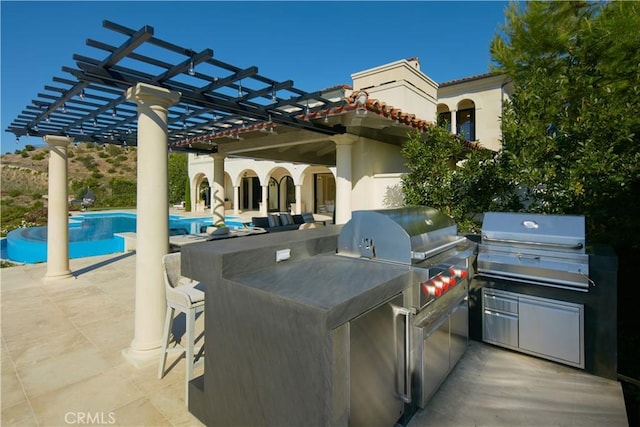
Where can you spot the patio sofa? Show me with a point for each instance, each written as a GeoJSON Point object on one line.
{"type": "Point", "coordinates": [282, 222]}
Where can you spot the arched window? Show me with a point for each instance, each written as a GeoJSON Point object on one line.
{"type": "Point", "coordinates": [466, 120]}
{"type": "Point", "coordinates": [444, 116]}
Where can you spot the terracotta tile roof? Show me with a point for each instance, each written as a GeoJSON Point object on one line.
{"type": "Point", "coordinates": [468, 79]}
{"type": "Point", "coordinates": [375, 106]}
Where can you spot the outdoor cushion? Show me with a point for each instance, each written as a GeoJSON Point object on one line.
{"type": "Point", "coordinates": [260, 221]}
{"type": "Point", "coordinates": [297, 219]}
{"type": "Point", "coordinates": [274, 221]}
{"type": "Point", "coordinates": [286, 219]}
{"type": "Point", "coordinates": [308, 217]}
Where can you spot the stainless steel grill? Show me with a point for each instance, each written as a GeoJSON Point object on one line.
{"type": "Point", "coordinates": [405, 235]}
{"type": "Point", "coordinates": [546, 250]}
{"type": "Point", "coordinates": [435, 303]}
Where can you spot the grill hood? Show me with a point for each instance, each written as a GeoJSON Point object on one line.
{"type": "Point", "coordinates": [401, 235]}
{"type": "Point", "coordinates": [542, 249]}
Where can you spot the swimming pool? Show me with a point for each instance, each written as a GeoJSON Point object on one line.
{"type": "Point", "coordinates": [94, 234]}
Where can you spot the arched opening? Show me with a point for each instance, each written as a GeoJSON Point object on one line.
{"type": "Point", "coordinates": [325, 193]}
{"type": "Point", "coordinates": [466, 120]}
{"type": "Point", "coordinates": [204, 193]}
{"type": "Point", "coordinates": [272, 195]}
{"type": "Point", "coordinates": [444, 116]}
{"type": "Point", "coordinates": [281, 194]}
{"type": "Point", "coordinates": [200, 193]}
{"type": "Point", "coordinates": [250, 194]}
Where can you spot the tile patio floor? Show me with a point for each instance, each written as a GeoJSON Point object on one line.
{"type": "Point", "coordinates": [61, 359]}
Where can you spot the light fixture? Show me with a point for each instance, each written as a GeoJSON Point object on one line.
{"type": "Point", "coordinates": [81, 130]}
{"type": "Point", "coordinates": [191, 70]}
{"type": "Point", "coordinates": [64, 107]}
{"type": "Point", "coordinates": [95, 122]}
{"type": "Point", "coordinates": [240, 94]}
{"type": "Point", "coordinates": [17, 140]}
{"type": "Point", "coordinates": [114, 114]}
{"type": "Point", "coordinates": [326, 117]}
{"type": "Point", "coordinates": [306, 111]}
{"type": "Point", "coordinates": [82, 94]}
{"type": "Point", "coordinates": [47, 119]}
{"type": "Point", "coordinates": [274, 98]}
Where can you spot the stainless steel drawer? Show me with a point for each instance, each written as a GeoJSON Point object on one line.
{"type": "Point", "coordinates": [500, 301]}
{"type": "Point", "coordinates": [500, 328]}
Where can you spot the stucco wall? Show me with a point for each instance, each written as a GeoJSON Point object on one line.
{"type": "Point", "coordinates": [376, 168]}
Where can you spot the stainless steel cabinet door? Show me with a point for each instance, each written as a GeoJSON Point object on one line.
{"type": "Point", "coordinates": [552, 329]}
{"type": "Point", "coordinates": [435, 350]}
{"type": "Point", "coordinates": [374, 356]}
{"type": "Point", "coordinates": [459, 324]}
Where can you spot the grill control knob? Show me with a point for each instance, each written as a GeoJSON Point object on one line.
{"type": "Point", "coordinates": [448, 281]}
{"type": "Point", "coordinates": [431, 290]}
{"type": "Point", "coordinates": [459, 272]}
{"type": "Point", "coordinates": [439, 284]}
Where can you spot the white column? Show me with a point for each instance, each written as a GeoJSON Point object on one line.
{"type": "Point", "coordinates": [217, 189]}
{"type": "Point", "coordinates": [454, 121]}
{"type": "Point", "coordinates": [250, 194]}
{"type": "Point", "coordinates": [236, 199]}
{"type": "Point", "coordinates": [343, 177]}
{"type": "Point", "coordinates": [58, 209]}
{"type": "Point", "coordinates": [298, 199]}
{"type": "Point", "coordinates": [264, 205]}
{"type": "Point", "coordinates": [152, 232]}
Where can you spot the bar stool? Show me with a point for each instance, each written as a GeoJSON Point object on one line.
{"type": "Point", "coordinates": [182, 295]}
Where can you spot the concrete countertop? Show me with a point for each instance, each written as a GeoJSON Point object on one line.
{"type": "Point", "coordinates": [341, 287]}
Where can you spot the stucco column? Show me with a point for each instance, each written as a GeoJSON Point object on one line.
{"type": "Point", "coordinates": [344, 143]}
{"type": "Point", "coordinates": [217, 189]}
{"type": "Point", "coordinates": [250, 193]}
{"type": "Point", "coordinates": [264, 205]}
{"type": "Point", "coordinates": [152, 230]}
{"type": "Point", "coordinates": [58, 209]}
{"type": "Point", "coordinates": [236, 199]}
{"type": "Point", "coordinates": [454, 121]}
{"type": "Point", "coordinates": [298, 199]}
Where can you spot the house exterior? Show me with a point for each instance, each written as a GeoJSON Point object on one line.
{"type": "Point", "coordinates": [361, 169]}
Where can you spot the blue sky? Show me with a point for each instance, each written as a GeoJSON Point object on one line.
{"type": "Point", "coordinates": [315, 44]}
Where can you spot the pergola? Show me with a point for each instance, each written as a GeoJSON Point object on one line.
{"type": "Point", "coordinates": [216, 99]}
{"type": "Point", "coordinates": [158, 96]}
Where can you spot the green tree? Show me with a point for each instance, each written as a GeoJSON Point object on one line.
{"type": "Point", "coordinates": [178, 173]}
{"type": "Point", "coordinates": [571, 135]}
{"type": "Point", "coordinates": [452, 175]}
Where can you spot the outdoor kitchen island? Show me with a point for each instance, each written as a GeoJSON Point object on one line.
{"type": "Point", "coordinates": [276, 343]}
{"type": "Point", "coordinates": [355, 325]}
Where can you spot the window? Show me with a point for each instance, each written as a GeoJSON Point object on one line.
{"type": "Point", "coordinates": [466, 123]}
{"type": "Point", "coordinates": [444, 120]}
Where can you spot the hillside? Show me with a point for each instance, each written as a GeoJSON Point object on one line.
{"type": "Point", "coordinates": [110, 172]}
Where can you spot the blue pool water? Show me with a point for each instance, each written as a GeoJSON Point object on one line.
{"type": "Point", "coordinates": [92, 234]}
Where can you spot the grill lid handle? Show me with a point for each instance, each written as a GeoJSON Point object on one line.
{"type": "Point", "coordinates": [576, 246]}
{"type": "Point", "coordinates": [427, 254]}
